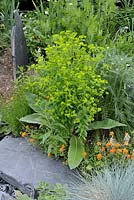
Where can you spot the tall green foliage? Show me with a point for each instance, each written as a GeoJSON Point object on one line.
{"type": "Point", "coordinates": [6, 21]}
{"type": "Point", "coordinates": [102, 22]}
{"type": "Point", "coordinates": [125, 15]}
{"type": "Point", "coordinates": [118, 103]}
{"type": "Point", "coordinates": [68, 81]}
{"type": "Point", "coordinates": [67, 90]}
{"type": "Point", "coordinates": [95, 20]}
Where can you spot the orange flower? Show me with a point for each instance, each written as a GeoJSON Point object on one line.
{"type": "Point", "coordinates": [23, 134]}
{"type": "Point", "coordinates": [98, 143]}
{"type": "Point", "coordinates": [49, 154]}
{"type": "Point", "coordinates": [103, 148]}
{"type": "Point", "coordinates": [117, 145]}
{"type": "Point", "coordinates": [125, 151]}
{"type": "Point", "coordinates": [99, 156]}
{"type": "Point", "coordinates": [62, 148]}
{"type": "Point", "coordinates": [84, 154]}
{"type": "Point", "coordinates": [31, 140]}
{"type": "Point", "coordinates": [128, 156]}
{"type": "Point", "coordinates": [109, 144]}
{"type": "Point", "coordinates": [119, 150]}
{"type": "Point", "coordinates": [111, 133]}
{"type": "Point", "coordinates": [112, 150]}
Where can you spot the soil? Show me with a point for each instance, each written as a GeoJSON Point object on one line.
{"type": "Point", "coordinates": [6, 72]}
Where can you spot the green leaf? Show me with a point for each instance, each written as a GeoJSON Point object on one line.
{"type": "Point", "coordinates": [89, 167]}
{"type": "Point", "coordinates": [32, 102]}
{"type": "Point", "coordinates": [44, 137]}
{"type": "Point", "coordinates": [34, 118]}
{"type": "Point", "coordinates": [105, 124]}
{"type": "Point", "coordinates": [20, 196]}
{"type": "Point", "coordinates": [75, 152]}
{"type": "Point", "coordinates": [57, 137]}
{"type": "Point", "coordinates": [2, 122]}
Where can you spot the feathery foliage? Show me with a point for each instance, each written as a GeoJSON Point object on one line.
{"type": "Point", "coordinates": [114, 183]}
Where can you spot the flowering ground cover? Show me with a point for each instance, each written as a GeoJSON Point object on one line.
{"type": "Point", "coordinates": [75, 102]}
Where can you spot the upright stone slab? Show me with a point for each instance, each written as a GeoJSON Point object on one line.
{"type": "Point", "coordinates": [18, 45]}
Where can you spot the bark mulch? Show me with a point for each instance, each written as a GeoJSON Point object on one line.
{"type": "Point", "coordinates": [6, 72]}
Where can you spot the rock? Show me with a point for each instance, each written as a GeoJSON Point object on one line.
{"type": "Point", "coordinates": [18, 45]}
{"type": "Point", "coordinates": [5, 196]}
{"type": "Point", "coordinates": [23, 166]}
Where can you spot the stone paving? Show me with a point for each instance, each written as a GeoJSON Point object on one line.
{"type": "Point", "coordinates": [23, 166]}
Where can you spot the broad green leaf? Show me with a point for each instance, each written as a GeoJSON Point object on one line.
{"type": "Point", "coordinates": [75, 152]}
{"type": "Point", "coordinates": [32, 102]}
{"type": "Point", "coordinates": [34, 118]}
{"type": "Point", "coordinates": [105, 124]}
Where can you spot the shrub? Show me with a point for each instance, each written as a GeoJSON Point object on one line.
{"type": "Point", "coordinates": [118, 104]}
{"type": "Point", "coordinates": [68, 80]}
{"type": "Point", "coordinates": [14, 108]}
{"type": "Point", "coordinates": [96, 20]}
{"type": "Point", "coordinates": [100, 21]}
{"type": "Point", "coordinates": [69, 85]}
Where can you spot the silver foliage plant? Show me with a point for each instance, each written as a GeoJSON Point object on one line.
{"type": "Point", "coordinates": [113, 183]}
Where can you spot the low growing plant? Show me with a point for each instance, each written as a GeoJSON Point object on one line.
{"type": "Point", "coordinates": [46, 192]}
{"type": "Point", "coordinates": [107, 151]}
{"type": "Point", "coordinates": [14, 108]}
{"type": "Point", "coordinates": [51, 192]}
{"type": "Point", "coordinates": [103, 152]}
{"type": "Point", "coordinates": [113, 183]}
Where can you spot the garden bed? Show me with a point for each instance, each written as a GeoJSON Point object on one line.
{"type": "Point", "coordinates": [76, 101]}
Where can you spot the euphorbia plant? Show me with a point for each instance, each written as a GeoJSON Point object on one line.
{"type": "Point", "coordinates": [67, 88]}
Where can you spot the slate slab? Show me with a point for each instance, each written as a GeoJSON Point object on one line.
{"type": "Point", "coordinates": [23, 166]}
{"type": "Point", "coordinates": [4, 196]}
{"type": "Point", "coordinates": [18, 45]}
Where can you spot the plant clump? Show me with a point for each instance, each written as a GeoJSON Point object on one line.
{"type": "Point", "coordinates": [68, 81]}
{"type": "Point", "coordinates": [65, 91]}
{"type": "Point", "coordinates": [115, 182]}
